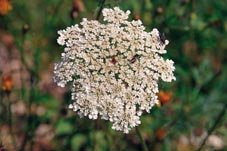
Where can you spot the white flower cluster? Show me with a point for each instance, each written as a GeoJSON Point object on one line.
{"type": "Point", "coordinates": [114, 68]}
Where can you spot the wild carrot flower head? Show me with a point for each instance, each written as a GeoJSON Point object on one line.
{"type": "Point", "coordinates": [114, 68]}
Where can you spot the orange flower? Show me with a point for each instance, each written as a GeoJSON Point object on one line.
{"type": "Point", "coordinates": [5, 7]}
{"type": "Point", "coordinates": [78, 6]}
{"type": "Point", "coordinates": [164, 97]}
{"type": "Point", "coordinates": [7, 83]}
{"type": "Point", "coordinates": [161, 133]}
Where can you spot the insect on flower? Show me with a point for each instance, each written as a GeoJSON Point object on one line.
{"type": "Point", "coordinates": [162, 38]}
{"type": "Point", "coordinates": [113, 60]}
{"type": "Point", "coordinates": [134, 58]}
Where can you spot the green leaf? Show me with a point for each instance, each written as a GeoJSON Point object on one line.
{"type": "Point", "coordinates": [77, 141]}
{"type": "Point", "coordinates": [64, 127]}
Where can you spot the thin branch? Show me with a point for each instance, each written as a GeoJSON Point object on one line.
{"type": "Point", "coordinates": [214, 126]}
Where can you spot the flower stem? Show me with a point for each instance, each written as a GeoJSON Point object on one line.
{"type": "Point", "coordinates": [145, 148]}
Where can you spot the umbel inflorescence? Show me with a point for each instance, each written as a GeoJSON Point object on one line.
{"type": "Point", "coordinates": [114, 68]}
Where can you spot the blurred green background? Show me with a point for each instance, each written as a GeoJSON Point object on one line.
{"type": "Point", "coordinates": [192, 110]}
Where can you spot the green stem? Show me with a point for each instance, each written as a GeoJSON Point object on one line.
{"type": "Point", "coordinates": [33, 81]}
{"type": "Point", "coordinates": [109, 139]}
{"type": "Point", "coordinates": [145, 148]}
